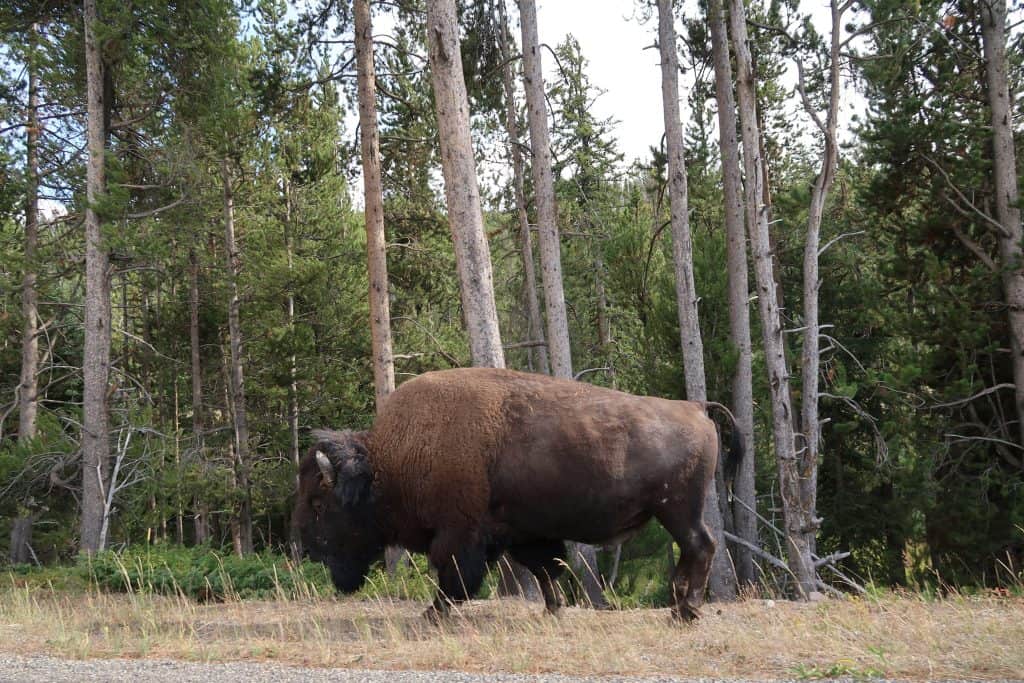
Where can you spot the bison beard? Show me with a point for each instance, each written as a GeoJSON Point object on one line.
{"type": "Point", "coordinates": [465, 464]}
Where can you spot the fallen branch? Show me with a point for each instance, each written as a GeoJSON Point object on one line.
{"type": "Point", "coordinates": [829, 559]}
{"type": "Point", "coordinates": [525, 344]}
{"type": "Point", "coordinates": [757, 550]}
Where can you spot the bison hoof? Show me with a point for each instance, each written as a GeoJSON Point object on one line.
{"type": "Point", "coordinates": [435, 615]}
{"type": "Point", "coordinates": [685, 614]}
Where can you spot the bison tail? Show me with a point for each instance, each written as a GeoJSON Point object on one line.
{"type": "Point", "coordinates": [734, 457]}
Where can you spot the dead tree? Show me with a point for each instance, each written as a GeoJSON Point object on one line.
{"type": "Point", "coordinates": [722, 581]}
{"type": "Point", "coordinates": [458, 165]}
{"type": "Point", "coordinates": [96, 353]}
{"type": "Point", "coordinates": [242, 523]}
{"type": "Point", "coordinates": [744, 521]}
{"type": "Point", "coordinates": [797, 526]}
{"type": "Point", "coordinates": [1007, 199]}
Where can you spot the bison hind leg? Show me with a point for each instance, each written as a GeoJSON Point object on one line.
{"type": "Point", "coordinates": [696, 549]}
{"type": "Point", "coordinates": [460, 566]}
{"type": "Point", "coordinates": [546, 561]}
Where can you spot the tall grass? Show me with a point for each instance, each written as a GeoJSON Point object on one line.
{"type": "Point", "coordinates": [299, 620]}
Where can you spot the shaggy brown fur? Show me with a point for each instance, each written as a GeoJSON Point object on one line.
{"type": "Point", "coordinates": [474, 460]}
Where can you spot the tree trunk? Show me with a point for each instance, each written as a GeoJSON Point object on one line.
{"type": "Point", "coordinates": [376, 244]}
{"type": "Point", "coordinates": [721, 582]}
{"type": "Point", "coordinates": [200, 519]}
{"type": "Point", "coordinates": [583, 557]}
{"type": "Point", "coordinates": [604, 330]}
{"type": "Point", "coordinates": [294, 538]}
{"type": "Point", "coordinates": [544, 191]}
{"type": "Point", "coordinates": [536, 323]}
{"type": "Point", "coordinates": [21, 539]}
{"type": "Point", "coordinates": [458, 165]}
{"type": "Point", "coordinates": [28, 400]}
{"type": "Point", "coordinates": [376, 258]}
{"type": "Point", "coordinates": [1008, 212]}
{"type": "Point", "coordinates": [96, 352]}
{"type": "Point", "coordinates": [811, 360]}
{"type": "Point", "coordinates": [799, 553]}
{"type": "Point", "coordinates": [744, 519]}
{"type": "Point", "coordinates": [243, 513]}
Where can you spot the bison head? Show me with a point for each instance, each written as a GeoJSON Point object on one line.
{"type": "Point", "coordinates": [334, 511]}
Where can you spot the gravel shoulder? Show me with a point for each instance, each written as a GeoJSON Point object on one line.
{"type": "Point", "coordinates": [45, 669]}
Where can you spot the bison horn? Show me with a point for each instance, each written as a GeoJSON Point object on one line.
{"type": "Point", "coordinates": [326, 468]}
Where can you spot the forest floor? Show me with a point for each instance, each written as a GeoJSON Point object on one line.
{"type": "Point", "coordinates": [903, 637]}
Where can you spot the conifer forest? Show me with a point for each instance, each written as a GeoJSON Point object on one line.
{"type": "Point", "coordinates": [226, 223]}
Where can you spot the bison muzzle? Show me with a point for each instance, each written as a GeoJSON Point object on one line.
{"type": "Point", "coordinates": [464, 464]}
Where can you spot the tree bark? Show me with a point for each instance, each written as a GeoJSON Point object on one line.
{"type": "Point", "coordinates": [200, 519]}
{"type": "Point", "coordinates": [799, 554]}
{"type": "Point", "coordinates": [1008, 212]}
{"type": "Point", "coordinates": [535, 332]}
{"type": "Point", "coordinates": [21, 539]}
{"type": "Point", "coordinates": [721, 582]}
{"type": "Point", "coordinates": [458, 165]}
{"type": "Point", "coordinates": [583, 557]}
{"type": "Point", "coordinates": [544, 190]}
{"type": "Point", "coordinates": [96, 352]}
{"type": "Point", "coordinates": [744, 519]}
{"type": "Point", "coordinates": [294, 538]}
{"type": "Point", "coordinates": [28, 399]}
{"type": "Point", "coordinates": [376, 257]}
{"type": "Point", "coordinates": [811, 360]}
{"type": "Point", "coordinates": [28, 396]}
{"type": "Point", "coordinates": [376, 243]}
{"type": "Point", "coordinates": [243, 512]}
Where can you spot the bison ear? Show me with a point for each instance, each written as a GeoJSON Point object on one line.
{"type": "Point", "coordinates": [355, 480]}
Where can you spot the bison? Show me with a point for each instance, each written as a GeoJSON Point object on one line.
{"type": "Point", "coordinates": [464, 464]}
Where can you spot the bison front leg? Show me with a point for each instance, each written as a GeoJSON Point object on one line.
{"type": "Point", "coordinates": [696, 549]}
{"type": "Point", "coordinates": [546, 560]}
{"type": "Point", "coordinates": [461, 565]}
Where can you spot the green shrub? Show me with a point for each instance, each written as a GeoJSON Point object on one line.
{"type": "Point", "coordinates": [204, 574]}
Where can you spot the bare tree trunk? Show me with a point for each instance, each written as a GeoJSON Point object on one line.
{"type": "Point", "coordinates": [799, 554]}
{"type": "Point", "coordinates": [201, 522]}
{"type": "Point", "coordinates": [744, 519]}
{"type": "Point", "coordinates": [376, 244]}
{"type": "Point", "coordinates": [21, 539]}
{"type": "Point", "coordinates": [721, 582]}
{"type": "Point", "coordinates": [583, 557]}
{"type": "Point", "coordinates": [96, 353]}
{"type": "Point", "coordinates": [29, 387]}
{"type": "Point", "coordinates": [604, 330]}
{"type": "Point", "coordinates": [376, 257]}
{"type": "Point", "coordinates": [811, 348]}
{"type": "Point", "coordinates": [536, 327]}
{"type": "Point", "coordinates": [294, 538]}
{"type": "Point", "coordinates": [1008, 212]}
{"type": "Point", "coordinates": [544, 191]}
{"type": "Point", "coordinates": [243, 513]}
{"type": "Point", "coordinates": [465, 215]}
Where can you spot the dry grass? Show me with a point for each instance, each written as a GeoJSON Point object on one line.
{"type": "Point", "coordinates": [903, 637]}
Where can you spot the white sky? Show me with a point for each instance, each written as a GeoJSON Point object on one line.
{"type": "Point", "coordinates": [623, 62]}
{"type": "Point", "coordinates": [613, 41]}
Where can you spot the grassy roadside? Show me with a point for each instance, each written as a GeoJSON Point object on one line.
{"type": "Point", "coordinates": [908, 637]}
